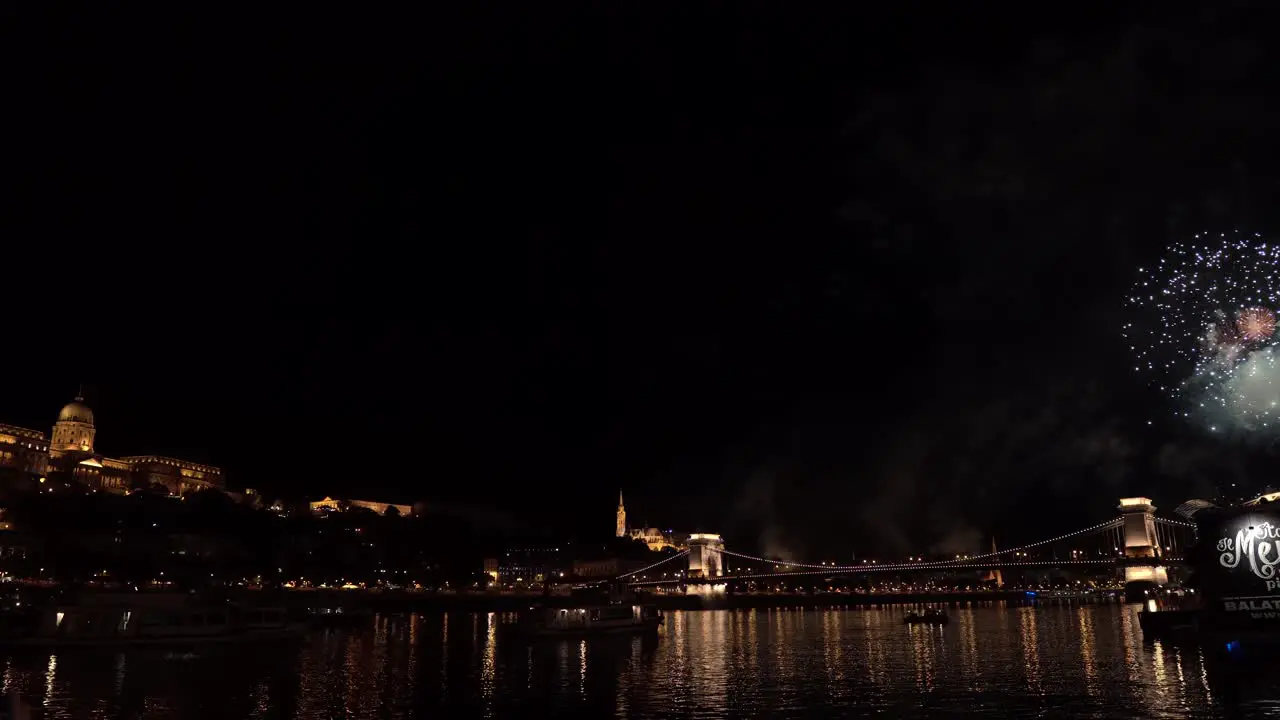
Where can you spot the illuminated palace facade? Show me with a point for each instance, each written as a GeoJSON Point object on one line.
{"type": "Point", "coordinates": [27, 458]}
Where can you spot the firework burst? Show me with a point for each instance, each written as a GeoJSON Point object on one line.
{"type": "Point", "coordinates": [1256, 324]}
{"type": "Point", "coordinates": [1204, 330]}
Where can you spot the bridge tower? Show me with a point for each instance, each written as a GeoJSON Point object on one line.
{"type": "Point", "coordinates": [1141, 541]}
{"type": "Point", "coordinates": [705, 555]}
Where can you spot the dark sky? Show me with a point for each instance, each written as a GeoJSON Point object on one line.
{"type": "Point", "coordinates": [819, 282]}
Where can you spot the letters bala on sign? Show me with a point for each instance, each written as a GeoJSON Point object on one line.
{"type": "Point", "coordinates": [1251, 605]}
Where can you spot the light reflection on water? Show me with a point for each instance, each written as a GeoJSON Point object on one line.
{"type": "Point", "coordinates": [1000, 662]}
{"type": "Point", "coordinates": [1028, 621]}
{"type": "Point", "coordinates": [1084, 621]}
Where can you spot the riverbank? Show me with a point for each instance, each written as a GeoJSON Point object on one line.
{"type": "Point", "coordinates": [494, 602]}
{"type": "Point", "coordinates": [404, 601]}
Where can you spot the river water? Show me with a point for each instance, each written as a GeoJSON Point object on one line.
{"type": "Point", "coordinates": [991, 660]}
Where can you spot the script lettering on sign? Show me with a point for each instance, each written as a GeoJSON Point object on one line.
{"type": "Point", "coordinates": [1259, 546]}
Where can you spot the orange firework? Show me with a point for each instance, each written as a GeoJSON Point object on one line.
{"type": "Point", "coordinates": [1256, 323]}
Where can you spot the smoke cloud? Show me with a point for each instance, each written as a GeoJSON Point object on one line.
{"type": "Point", "coordinates": [756, 510]}
{"type": "Point", "coordinates": [959, 541]}
{"type": "Point", "coordinates": [1250, 396]}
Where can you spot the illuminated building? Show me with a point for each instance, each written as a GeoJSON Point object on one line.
{"type": "Point", "coordinates": [24, 455]}
{"type": "Point", "coordinates": [172, 473]}
{"type": "Point", "coordinates": [74, 431]}
{"type": "Point", "coordinates": [604, 568]}
{"type": "Point", "coordinates": [249, 497]}
{"type": "Point", "coordinates": [659, 539]}
{"type": "Point", "coordinates": [622, 517]}
{"type": "Point", "coordinates": [530, 565]}
{"type": "Point", "coordinates": [328, 504]}
{"type": "Point", "coordinates": [653, 537]}
{"type": "Point", "coordinates": [27, 458]}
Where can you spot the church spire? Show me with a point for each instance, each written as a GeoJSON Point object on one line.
{"type": "Point", "coordinates": [80, 393]}
{"type": "Point", "coordinates": [621, 528]}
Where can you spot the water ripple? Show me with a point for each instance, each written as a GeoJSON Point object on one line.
{"type": "Point", "coordinates": [1085, 662]}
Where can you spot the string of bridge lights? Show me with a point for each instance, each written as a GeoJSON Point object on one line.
{"type": "Point", "coordinates": [1109, 525]}
{"type": "Point", "coordinates": [646, 569]}
{"type": "Point", "coordinates": [1179, 523]}
{"type": "Point", "coordinates": [881, 568]}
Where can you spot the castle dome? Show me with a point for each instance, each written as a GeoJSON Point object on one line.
{"type": "Point", "coordinates": [76, 411]}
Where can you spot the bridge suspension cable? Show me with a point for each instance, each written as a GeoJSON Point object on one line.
{"type": "Point", "coordinates": [680, 554]}
{"type": "Point", "coordinates": [1109, 525]}
{"type": "Point", "coordinates": [1171, 533]}
{"type": "Point", "coordinates": [1179, 523]}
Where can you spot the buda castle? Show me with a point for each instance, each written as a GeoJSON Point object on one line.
{"type": "Point", "coordinates": [28, 459]}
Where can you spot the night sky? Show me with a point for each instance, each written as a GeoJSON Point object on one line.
{"type": "Point", "coordinates": [819, 282]}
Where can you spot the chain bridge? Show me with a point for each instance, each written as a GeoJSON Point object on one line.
{"type": "Point", "coordinates": [1137, 541]}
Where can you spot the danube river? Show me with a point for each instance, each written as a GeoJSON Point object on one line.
{"type": "Point", "coordinates": [995, 661]}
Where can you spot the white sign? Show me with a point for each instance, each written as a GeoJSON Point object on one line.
{"type": "Point", "coordinates": [1259, 546]}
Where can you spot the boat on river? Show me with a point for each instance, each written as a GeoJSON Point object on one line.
{"type": "Point", "coordinates": [928, 617]}
{"type": "Point", "coordinates": [339, 617]}
{"type": "Point", "coordinates": [599, 612]}
{"type": "Point", "coordinates": [1236, 604]}
{"type": "Point", "coordinates": [598, 620]}
{"type": "Point", "coordinates": [1157, 621]}
{"type": "Point", "coordinates": [143, 619]}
